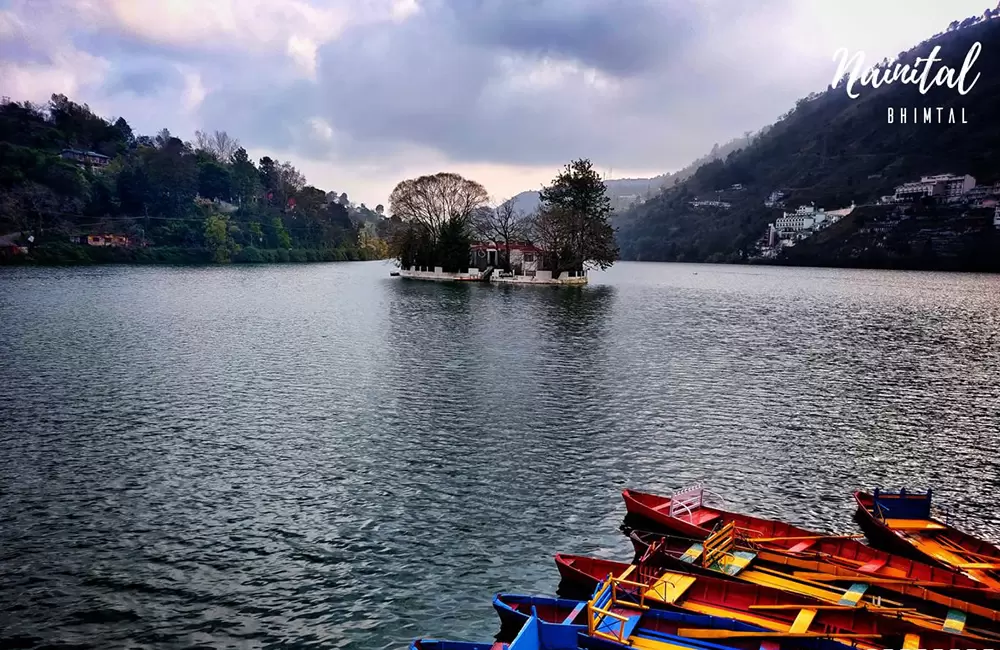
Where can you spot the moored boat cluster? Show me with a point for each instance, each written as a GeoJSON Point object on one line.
{"type": "Point", "coordinates": [704, 578]}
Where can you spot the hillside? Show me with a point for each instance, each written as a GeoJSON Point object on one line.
{"type": "Point", "coordinates": [626, 193]}
{"type": "Point", "coordinates": [77, 188]}
{"type": "Point", "coordinates": [831, 150]}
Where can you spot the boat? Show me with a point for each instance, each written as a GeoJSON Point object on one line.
{"type": "Point", "coordinates": [533, 634]}
{"type": "Point", "coordinates": [579, 574]}
{"type": "Point", "coordinates": [764, 607]}
{"type": "Point", "coordinates": [615, 624]}
{"type": "Point", "coordinates": [901, 522]}
{"type": "Point", "coordinates": [436, 644]}
{"type": "Point", "coordinates": [687, 514]}
{"type": "Point", "coordinates": [394, 274]}
{"type": "Point", "coordinates": [722, 556]}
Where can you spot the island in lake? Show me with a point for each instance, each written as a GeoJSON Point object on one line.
{"type": "Point", "coordinates": [448, 232]}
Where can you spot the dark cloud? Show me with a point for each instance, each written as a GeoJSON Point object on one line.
{"type": "Point", "coordinates": [145, 80]}
{"type": "Point", "coordinates": [532, 82]}
{"type": "Point", "coordinates": [17, 45]}
{"type": "Point", "coordinates": [621, 38]}
{"type": "Point", "coordinates": [630, 83]}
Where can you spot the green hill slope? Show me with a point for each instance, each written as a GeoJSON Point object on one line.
{"type": "Point", "coordinates": [831, 150]}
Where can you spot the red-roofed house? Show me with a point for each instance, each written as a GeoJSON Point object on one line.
{"type": "Point", "coordinates": [525, 258]}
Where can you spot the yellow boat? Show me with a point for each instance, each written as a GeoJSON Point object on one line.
{"type": "Point", "coordinates": [720, 555]}
{"type": "Point", "coordinates": [902, 523]}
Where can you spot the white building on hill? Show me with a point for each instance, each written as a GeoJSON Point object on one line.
{"type": "Point", "coordinates": [806, 217]}
{"type": "Point", "coordinates": [947, 186]}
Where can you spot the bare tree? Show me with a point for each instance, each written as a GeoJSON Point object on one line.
{"type": "Point", "coordinates": [290, 178]}
{"type": "Point", "coordinates": [163, 137]}
{"type": "Point", "coordinates": [438, 200]}
{"type": "Point", "coordinates": [220, 144]}
{"type": "Point", "coordinates": [505, 225]}
{"type": "Point", "coordinates": [549, 232]}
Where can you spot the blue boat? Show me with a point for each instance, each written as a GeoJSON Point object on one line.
{"type": "Point", "coordinates": [649, 629]}
{"type": "Point", "coordinates": [533, 635]}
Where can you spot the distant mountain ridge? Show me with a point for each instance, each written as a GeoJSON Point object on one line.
{"type": "Point", "coordinates": [628, 192]}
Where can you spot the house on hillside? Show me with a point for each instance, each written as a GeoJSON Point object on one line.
{"type": "Point", "coordinates": [86, 158]}
{"type": "Point", "coordinates": [698, 203]}
{"type": "Point", "coordinates": [108, 241]}
{"type": "Point", "coordinates": [806, 217]}
{"type": "Point", "coordinates": [946, 187]}
{"type": "Point", "coordinates": [774, 199]}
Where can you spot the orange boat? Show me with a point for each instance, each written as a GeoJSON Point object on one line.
{"type": "Point", "coordinates": [764, 607]}
{"type": "Point", "coordinates": [902, 523]}
{"type": "Point", "coordinates": [686, 514]}
{"type": "Point", "coordinates": [720, 555]}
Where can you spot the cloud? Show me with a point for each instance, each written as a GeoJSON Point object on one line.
{"type": "Point", "coordinates": [503, 88]}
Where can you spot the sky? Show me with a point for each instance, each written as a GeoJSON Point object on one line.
{"type": "Point", "coordinates": [361, 94]}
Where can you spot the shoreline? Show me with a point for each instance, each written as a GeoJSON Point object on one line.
{"type": "Point", "coordinates": [21, 262]}
{"type": "Point", "coordinates": [63, 256]}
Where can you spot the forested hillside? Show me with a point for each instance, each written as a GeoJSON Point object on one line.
{"type": "Point", "coordinates": [832, 150]}
{"type": "Point", "coordinates": [66, 172]}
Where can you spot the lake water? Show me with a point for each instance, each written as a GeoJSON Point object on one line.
{"type": "Point", "coordinates": [321, 456]}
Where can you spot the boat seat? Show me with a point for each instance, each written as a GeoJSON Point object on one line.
{"type": "Point", "coordinates": [612, 626]}
{"type": "Point", "coordinates": [853, 595]}
{"type": "Point", "coordinates": [954, 622]}
{"type": "Point", "coordinates": [693, 553]}
{"type": "Point", "coordinates": [670, 587]}
{"type": "Point", "coordinates": [576, 612]}
{"type": "Point", "coordinates": [913, 524]}
{"type": "Point", "coordinates": [702, 517]}
{"type": "Point", "coordinates": [872, 566]}
{"type": "Point", "coordinates": [802, 621]}
{"type": "Point", "coordinates": [736, 562]}
{"type": "Point", "coordinates": [801, 546]}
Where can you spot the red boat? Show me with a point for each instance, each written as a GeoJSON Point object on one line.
{"type": "Point", "coordinates": [721, 556]}
{"type": "Point", "coordinates": [686, 514]}
{"type": "Point", "coordinates": [768, 608]}
{"type": "Point", "coordinates": [902, 523]}
{"type": "Point", "coordinates": [586, 572]}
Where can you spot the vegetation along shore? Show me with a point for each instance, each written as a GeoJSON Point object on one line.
{"type": "Point", "coordinates": [76, 188]}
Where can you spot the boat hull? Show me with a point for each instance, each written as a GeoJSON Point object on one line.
{"type": "Point", "coordinates": [807, 545]}
{"type": "Point", "coordinates": [661, 625]}
{"type": "Point", "coordinates": [773, 609]}
{"type": "Point", "coordinates": [914, 533]}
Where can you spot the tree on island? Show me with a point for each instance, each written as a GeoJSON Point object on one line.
{"type": "Point", "coordinates": [436, 214]}
{"type": "Point", "coordinates": [572, 223]}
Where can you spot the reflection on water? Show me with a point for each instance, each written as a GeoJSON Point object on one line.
{"type": "Point", "coordinates": [321, 456]}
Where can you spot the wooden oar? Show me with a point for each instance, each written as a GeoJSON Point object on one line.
{"type": "Point", "coordinates": [707, 633]}
{"type": "Point", "coordinates": [829, 577]}
{"type": "Point", "coordinates": [958, 548]}
{"type": "Point", "coordinates": [760, 540]}
{"type": "Point", "coordinates": [893, 610]}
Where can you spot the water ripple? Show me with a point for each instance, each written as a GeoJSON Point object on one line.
{"type": "Point", "coordinates": [319, 456]}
